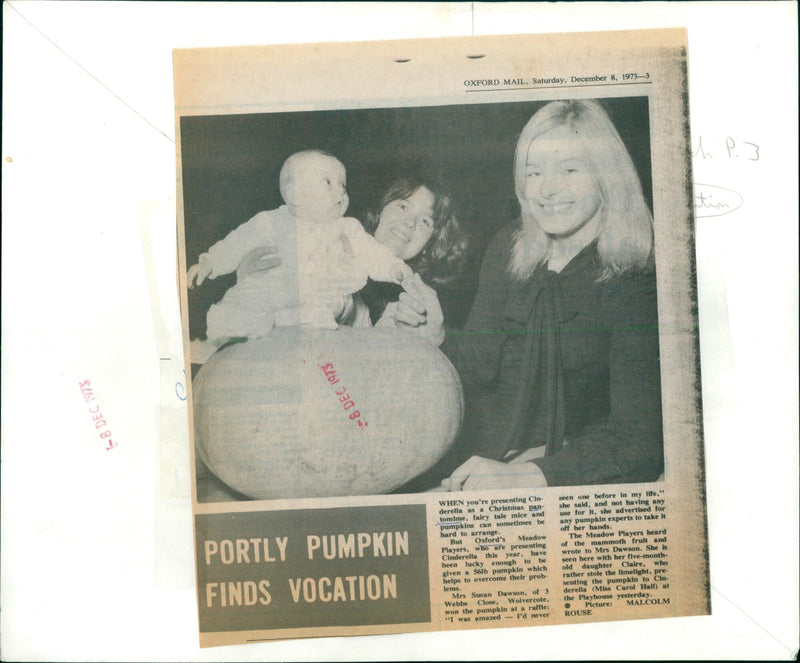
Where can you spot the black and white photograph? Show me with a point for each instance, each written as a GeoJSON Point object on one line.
{"type": "Point", "coordinates": [527, 232]}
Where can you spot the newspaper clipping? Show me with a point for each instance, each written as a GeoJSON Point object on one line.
{"type": "Point", "coordinates": [439, 309]}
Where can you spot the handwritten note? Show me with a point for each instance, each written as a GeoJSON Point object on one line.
{"type": "Point", "coordinates": [180, 387]}
{"type": "Point", "coordinates": [716, 157]}
{"type": "Point", "coordinates": [726, 149]}
{"type": "Point", "coordinates": [711, 200]}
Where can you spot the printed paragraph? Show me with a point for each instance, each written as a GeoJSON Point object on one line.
{"type": "Point", "coordinates": [494, 559]}
{"type": "Point", "coordinates": [604, 566]}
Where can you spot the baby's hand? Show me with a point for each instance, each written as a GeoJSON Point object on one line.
{"type": "Point", "coordinates": [405, 277]}
{"type": "Point", "coordinates": [198, 272]}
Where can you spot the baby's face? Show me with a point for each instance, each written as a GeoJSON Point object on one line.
{"type": "Point", "coordinates": [319, 189]}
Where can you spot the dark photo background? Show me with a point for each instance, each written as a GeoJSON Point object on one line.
{"type": "Point", "coordinates": [230, 166]}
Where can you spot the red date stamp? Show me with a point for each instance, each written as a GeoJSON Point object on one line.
{"type": "Point", "coordinates": [344, 398]}
{"type": "Point", "coordinates": [100, 424]}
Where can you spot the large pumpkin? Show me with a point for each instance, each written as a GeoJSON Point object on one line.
{"type": "Point", "coordinates": [306, 413]}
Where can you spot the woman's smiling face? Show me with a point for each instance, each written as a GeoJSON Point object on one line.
{"type": "Point", "coordinates": [406, 225]}
{"type": "Point", "coordinates": [560, 188]}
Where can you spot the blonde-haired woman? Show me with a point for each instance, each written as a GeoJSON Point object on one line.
{"type": "Point", "coordinates": [560, 355]}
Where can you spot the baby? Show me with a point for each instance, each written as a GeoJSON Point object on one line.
{"type": "Point", "coordinates": [324, 257]}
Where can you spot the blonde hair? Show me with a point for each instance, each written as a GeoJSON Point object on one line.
{"type": "Point", "coordinates": [625, 237]}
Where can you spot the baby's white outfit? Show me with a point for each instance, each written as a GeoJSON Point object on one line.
{"type": "Point", "coordinates": [322, 264]}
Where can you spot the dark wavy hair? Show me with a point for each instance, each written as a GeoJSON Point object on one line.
{"type": "Point", "coordinates": [441, 261]}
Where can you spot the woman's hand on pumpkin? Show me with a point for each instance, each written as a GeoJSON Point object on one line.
{"type": "Point", "coordinates": [259, 259]}
{"type": "Point", "coordinates": [419, 311]}
{"type": "Point", "coordinates": [481, 473]}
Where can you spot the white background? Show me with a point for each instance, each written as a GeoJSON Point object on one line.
{"type": "Point", "coordinates": [97, 545]}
